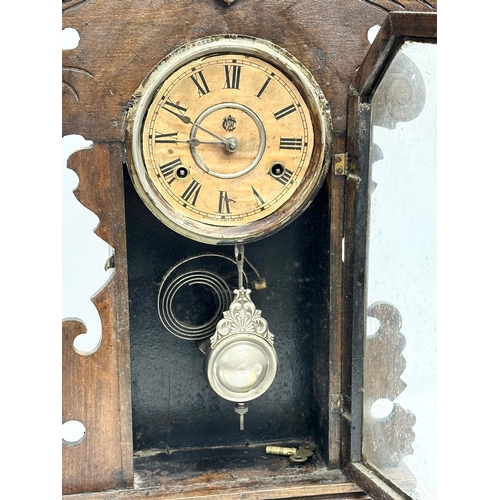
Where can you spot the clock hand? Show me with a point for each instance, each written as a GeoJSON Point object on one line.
{"type": "Point", "coordinates": [231, 143]}
{"type": "Point", "coordinates": [185, 119]}
{"type": "Point", "coordinates": [196, 142]}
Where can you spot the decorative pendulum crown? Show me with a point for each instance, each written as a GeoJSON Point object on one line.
{"type": "Point", "coordinates": [242, 317]}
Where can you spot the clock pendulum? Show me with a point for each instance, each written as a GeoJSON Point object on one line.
{"type": "Point", "coordinates": [241, 362]}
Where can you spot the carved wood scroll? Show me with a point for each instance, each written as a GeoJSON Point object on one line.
{"type": "Point", "coordinates": [96, 387]}
{"type": "Point", "coordinates": [386, 440]}
{"type": "Point", "coordinates": [121, 41]}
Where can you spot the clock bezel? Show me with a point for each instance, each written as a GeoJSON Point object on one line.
{"type": "Point", "coordinates": [309, 90]}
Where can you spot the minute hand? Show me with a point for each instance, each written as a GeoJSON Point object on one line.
{"type": "Point", "coordinates": [188, 121]}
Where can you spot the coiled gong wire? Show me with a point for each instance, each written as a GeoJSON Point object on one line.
{"type": "Point", "coordinates": [170, 286]}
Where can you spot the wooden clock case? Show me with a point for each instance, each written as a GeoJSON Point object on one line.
{"type": "Point", "coordinates": [154, 429]}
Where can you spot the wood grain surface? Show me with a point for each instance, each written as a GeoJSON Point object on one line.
{"type": "Point", "coordinates": [96, 387]}
{"type": "Point", "coordinates": [121, 41]}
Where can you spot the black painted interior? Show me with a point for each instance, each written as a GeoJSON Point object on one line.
{"type": "Point", "coordinates": [173, 405]}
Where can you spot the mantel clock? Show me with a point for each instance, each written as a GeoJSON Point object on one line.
{"type": "Point", "coordinates": [230, 171]}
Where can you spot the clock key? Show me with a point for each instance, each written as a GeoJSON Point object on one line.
{"type": "Point", "coordinates": [281, 450]}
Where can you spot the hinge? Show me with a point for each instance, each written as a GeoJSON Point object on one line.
{"type": "Point", "coordinates": [341, 164]}
{"type": "Point", "coordinates": [336, 403]}
{"type": "Point", "coordinates": [338, 406]}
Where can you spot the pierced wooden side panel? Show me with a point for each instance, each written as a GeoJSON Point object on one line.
{"type": "Point", "coordinates": [96, 387]}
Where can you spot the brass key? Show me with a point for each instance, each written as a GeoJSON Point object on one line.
{"type": "Point", "coordinates": [280, 450]}
{"type": "Point", "coordinates": [297, 455]}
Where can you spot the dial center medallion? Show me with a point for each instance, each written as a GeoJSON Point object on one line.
{"type": "Point", "coordinates": [228, 157]}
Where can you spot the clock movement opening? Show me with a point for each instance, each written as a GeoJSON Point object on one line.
{"type": "Point", "coordinates": [180, 425]}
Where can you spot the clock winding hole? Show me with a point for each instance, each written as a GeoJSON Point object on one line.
{"type": "Point", "coordinates": [277, 170]}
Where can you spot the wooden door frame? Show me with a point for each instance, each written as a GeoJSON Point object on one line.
{"type": "Point", "coordinates": [397, 29]}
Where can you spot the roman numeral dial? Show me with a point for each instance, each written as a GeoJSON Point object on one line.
{"type": "Point", "coordinates": [233, 75]}
{"type": "Point", "coordinates": [227, 139]}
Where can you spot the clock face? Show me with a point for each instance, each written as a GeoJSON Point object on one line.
{"type": "Point", "coordinates": [229, 141]}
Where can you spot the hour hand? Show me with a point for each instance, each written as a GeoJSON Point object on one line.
{"type": "Point", "coordinates": [187, 120]}
{"type": "Point", "coordinates": [196, 142]}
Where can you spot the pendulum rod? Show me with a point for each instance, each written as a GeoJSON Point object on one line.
{"type": "Point", "coordinates": [239, 254]}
